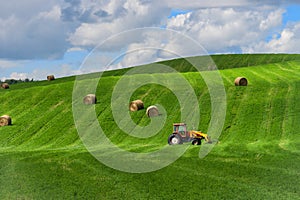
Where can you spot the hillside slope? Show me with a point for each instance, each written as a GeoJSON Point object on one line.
{"type": "Point", "coordinates": [257, 156]}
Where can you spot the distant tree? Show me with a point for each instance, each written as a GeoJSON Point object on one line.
{"type": "Point", "coordinates": [14, 81]}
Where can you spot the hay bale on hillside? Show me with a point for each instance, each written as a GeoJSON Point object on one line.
{"type": "Point", "coordinates": [152, 111]}
{"type": "Point", "coordinates": [50, 78]}
{"type": "Point", "coordinates": [5, 120]}
{"type": "Point", "coordinates": [241, 81]}
{"type": "Point", "coordinates": [5, 86]}
{"type": "Point", "coordinates": [90, 99]}
{"type": "Point", "coordinates": [136, 105]}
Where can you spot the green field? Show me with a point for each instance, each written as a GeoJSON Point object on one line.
{"type": "Point", "coordinates": [256, 157]}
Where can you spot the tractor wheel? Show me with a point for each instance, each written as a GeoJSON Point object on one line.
{"type": "Point", "coordinates": [196, 142]}
{"type": "Point", "coordinates": [174, 139]}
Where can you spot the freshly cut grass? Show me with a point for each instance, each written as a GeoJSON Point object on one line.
{"type": "Point", "coordinates": [257, 155]}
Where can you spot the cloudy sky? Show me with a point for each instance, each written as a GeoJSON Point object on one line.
{"type": "Point", "coordinates": [39, 38]}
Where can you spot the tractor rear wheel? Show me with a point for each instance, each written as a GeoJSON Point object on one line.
{"type": "Point", "coordinates": [174, 139]}
{"type": "Point", "coordinates": [196, 142]}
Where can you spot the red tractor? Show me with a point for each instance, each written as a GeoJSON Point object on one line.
{"type": "Point", "coordinates": [181, 135]}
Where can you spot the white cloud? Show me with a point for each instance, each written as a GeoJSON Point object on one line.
{"type": "Point", "coordinates": [126, 15]}
{"type": "Point", "coordinates": [221, 29]}
{"type": "Point", "coordinates": [50, 28]}
{"type": "Point", "coordinates": [25, 9]}
{"type": "Point", "coordinates": [287, 41]}
{"type": "Point", "coordinates": [18, 76]}
{"type": "Point", "coordinates": [159, 44]}
{"type": "Point", "coordinates": [75, 49]}
{"type": "Point", "coordinates": [5, 64]}
{"type": "Point", "coordinates": [200, 4]}
{"type": "Point", "coordinates": [36, 33]}
{"type": "Point", "coordinates": [179, 4]}
{"type": "Point", "coordinates": [274, 19]}
{"type": "Point", "coordinates": [53, 14]}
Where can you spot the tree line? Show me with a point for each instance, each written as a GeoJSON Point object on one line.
{"type": "Point", "coordinates": [15, 81]}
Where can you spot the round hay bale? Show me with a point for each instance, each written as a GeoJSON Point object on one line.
{"type": "Point", "coordinates": [50, 78]}
{"type": "Point", "coordinates": [152, 111]}
{"type": "Point", "coordinates": [241, 81]}
{"type": "Point", "coordinates": [136, 105]}
{"type": "Point", "coordinates": [5, 86]}
{"type": "Point", "coordinates": [5, 120]}
{"type": "Point", "coordinates": [90, 99]}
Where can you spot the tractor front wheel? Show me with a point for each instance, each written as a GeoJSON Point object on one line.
{"type": "Point", "coordinates": [196, 142]}
{"type": "Point", "coordinates": [174, 139]}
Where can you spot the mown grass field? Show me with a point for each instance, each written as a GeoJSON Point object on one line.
{"type": "Point", "coordinates": [257, 156]}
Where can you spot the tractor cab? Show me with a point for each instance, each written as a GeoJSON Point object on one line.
{"type": "Point", "coordinates": [180, 128]}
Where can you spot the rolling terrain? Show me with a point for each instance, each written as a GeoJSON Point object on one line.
{"type": "Point", "coordinates": [256, 157]}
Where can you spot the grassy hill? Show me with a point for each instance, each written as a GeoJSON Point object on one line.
{"type": "Point", "coordinates": [257, 156]}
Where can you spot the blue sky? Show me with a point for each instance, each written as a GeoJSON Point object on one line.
{"type": "Point", "coordinates": [175, 12]}
{"type": "Point", "coordinates": [54, 37]}
{"type": "Point", "coordinates": [292, 14]}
